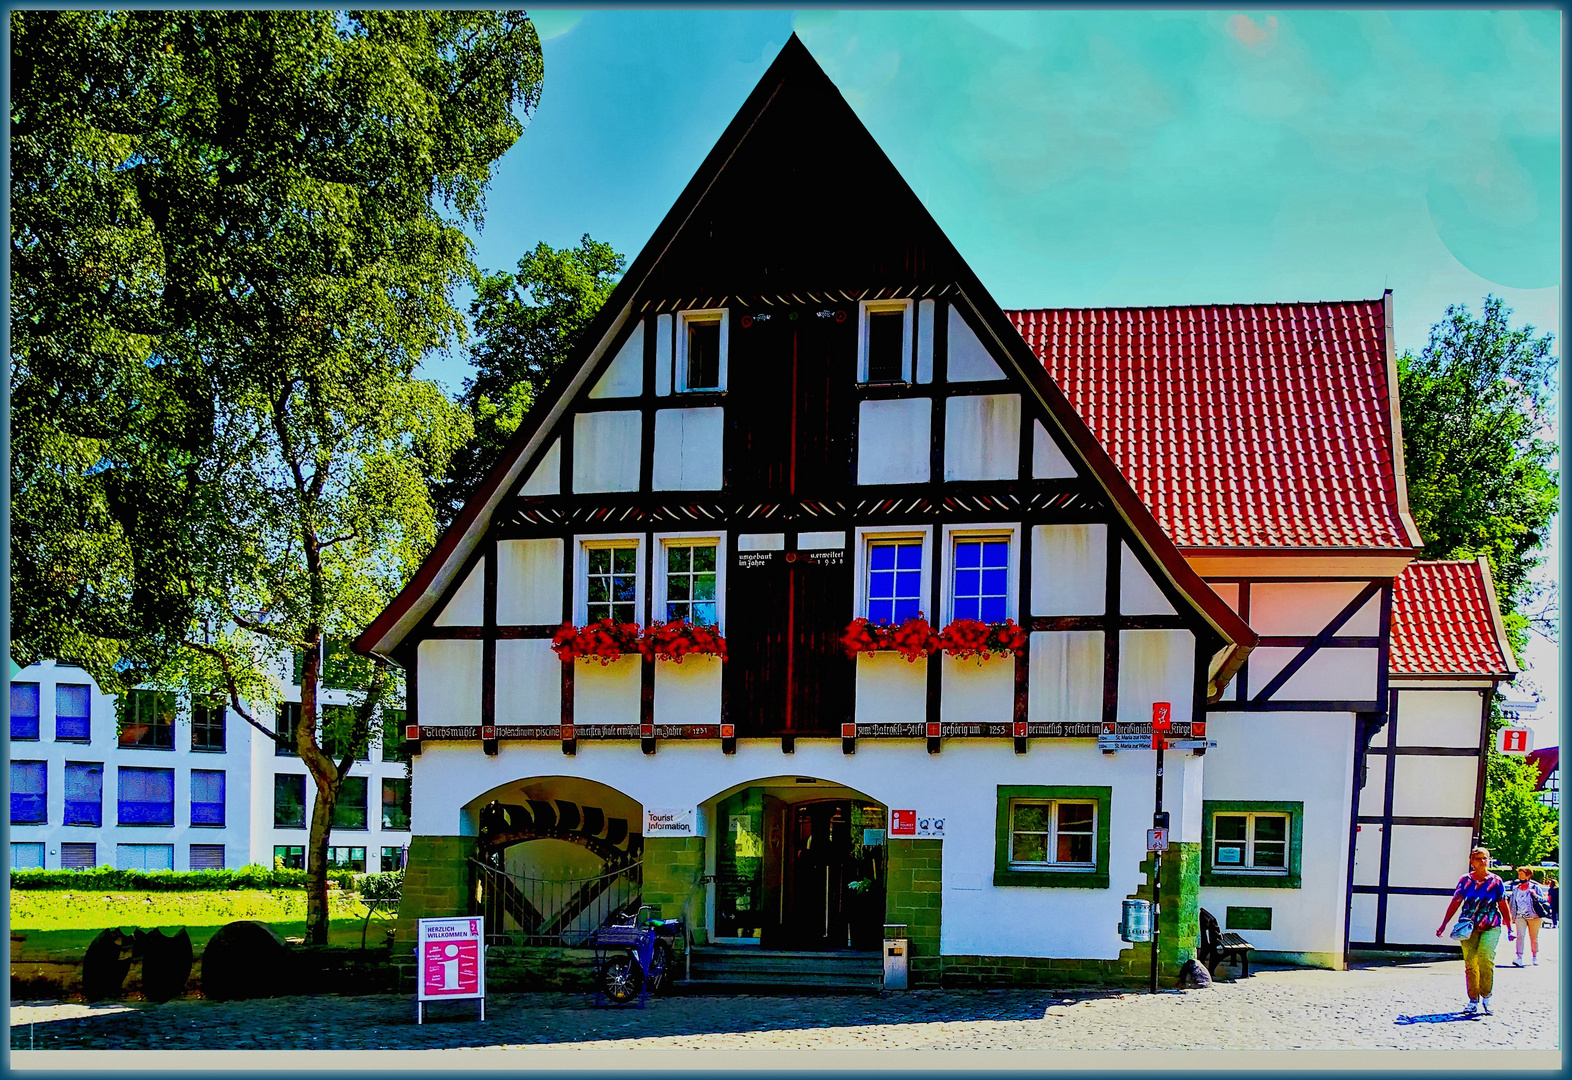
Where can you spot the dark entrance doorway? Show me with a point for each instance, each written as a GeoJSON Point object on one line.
{"type": "Point", "coordinates": [831, 881]}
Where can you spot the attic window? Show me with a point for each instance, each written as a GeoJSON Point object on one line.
{"type": "Point", "coordinates": [701, 350]}
{"type": "Point", "coordinates": [884, 342]}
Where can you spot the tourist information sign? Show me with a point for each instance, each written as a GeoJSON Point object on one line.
{"type": "Point", "coordinates": [451, 959]}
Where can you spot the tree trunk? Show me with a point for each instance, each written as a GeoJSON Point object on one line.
{"type": "Point", "coordinates": [326, 777]}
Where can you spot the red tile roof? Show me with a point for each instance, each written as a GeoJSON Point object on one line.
{"type": "Point", "coordinates": [1240, 425]}
{"type": "Point", "coordinates": [1546, 760]}
{"type": "Point", "coordinates": [1445, 621]}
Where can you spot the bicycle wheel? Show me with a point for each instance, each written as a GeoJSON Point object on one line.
{"type": "Point", "coordinates": [660, 966]}
{"type": "Point", "coordinates": [621, 979]}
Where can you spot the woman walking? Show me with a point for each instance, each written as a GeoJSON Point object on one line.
{"type": "Point", "coordinates": [1527, 900]}
{"type": "Point", "coordinates": [1482, 896]}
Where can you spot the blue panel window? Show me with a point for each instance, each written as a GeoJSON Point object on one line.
{"type": "Point", "coordinates": [29, 792]}
{"type": "Point", "coordinates": [24, 710]}
{"type": "Point", "coordinates": [982, 579]}
{"type": "Point", "coordinates": [207, 797]}
{"type": "Point", "coordinates": [84, 793]}
{"type": "Point", "coordinates": [147, 796]}
{"type": "Point", "coordinates": [894, 580]}
{"type": "Point", "coordinates": [73, 713]}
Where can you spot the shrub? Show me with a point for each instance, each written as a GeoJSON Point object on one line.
{"type": "Point", "coordinates": [380, 886]}
{"type": "Point", "coordinates": [108, 878]}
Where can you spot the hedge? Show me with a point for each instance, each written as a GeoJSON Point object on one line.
{"type": "Point", "coordinates": [107, 877]}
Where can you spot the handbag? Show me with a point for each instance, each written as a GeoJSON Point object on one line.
{"type": "Point", "coordinates": [1464, 927]}
{"type": "Point", "coordinates": [1541, 907]}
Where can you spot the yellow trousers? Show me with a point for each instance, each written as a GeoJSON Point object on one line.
{"type": "Point", "coordinates": [1479, 961]}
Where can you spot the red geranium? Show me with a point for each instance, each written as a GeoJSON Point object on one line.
{"type": "Point", "coordinates": [679, 638]}
{"type": "Point", "coordinates": [604, 640]}
{"type": "Point", "coordinates": [966, 638]}
{"type": "Point", "coordinates": [913, 639]}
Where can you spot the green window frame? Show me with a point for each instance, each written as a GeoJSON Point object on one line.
{"type": "Point", "coordinates": [1050, 877]}
{"type": "Point", "coordinates": [1246, 877]}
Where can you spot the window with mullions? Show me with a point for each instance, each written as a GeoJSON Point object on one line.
{"type": "Point", "coordinates": [289, 857]}
{"type": "Point", "coordinates": [981, 582]}
{"type": "Point", "coordinates": [24, 710]}
{"type": "Point", "coordinates": [1060, 834]}
{"type": "Point", "coordinates": [392, 859]}
{"type": "Point", "coordinates": [338, 733]}
{"type": "Point", "coordinates": [207, 724]}
{"type": "Point", "coordinates": [347, 858]}
{"type": "Point", "coordinates": [349, 812]}
{"type": "Point", "coordinates": [393, 735]}
{"type": "Point", "coordinates": [84, 793]}
{"type": "Point", "coordinates": [73, 713]}
{"type": "Point", "coordinates": [29, 792]}
{"type": "Point", "coordinates": [288, 721]}
{"type": "Point", "coordinates": [894, 580]}
{"type": "Point", "coordinates": [289, 801]}
{"type": "Point", "coordinates": [611, 589]}
{"type": "Point", "coordinates": [702, 349]}
{"type": "Point", "coordinates": [149, 720]}
{"type": "Point", "coordinates": [207, 798]}
{"type": "Point", "coordinates": [395, 803]}
{"type": "Point", "coordinates": [1251, 844]}
{"type": "Point", "coordinates": [690, 583]}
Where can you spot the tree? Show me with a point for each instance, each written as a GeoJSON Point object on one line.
{"type": "Point", "coordinates": [1475, 404]}
{"type": "Point", "coordinates": [1516, 827]}
{"type": "Point", "coordinates": [234, 234]}
{"type": "Point", "coordinates": [526, 324]}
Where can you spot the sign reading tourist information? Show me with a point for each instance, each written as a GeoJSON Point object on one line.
{"type": "Point", "coordinates": [912, 825]}
{"type": "Point", "coordinates": [452, 959]}
{"type": "Point", "coordinates": [675, 822]}
{"type": "Point", "coordinates": [1514, 740]}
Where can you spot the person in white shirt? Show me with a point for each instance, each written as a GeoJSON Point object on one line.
{"type": "Point", "coordinates": [1525, 916]}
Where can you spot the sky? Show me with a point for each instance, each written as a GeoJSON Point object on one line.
{"type": "Point", "coordinates": [1107, 157]}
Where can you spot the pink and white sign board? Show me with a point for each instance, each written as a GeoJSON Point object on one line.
{"type": "Point", "coordinates": [452, 959]}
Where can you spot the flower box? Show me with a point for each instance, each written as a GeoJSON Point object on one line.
{"type": "Point", "coordinates": [604, 640]}
{"type": "Point", "coordinates": [679, 638]}
{"type": "Point", "coordinates": [914, 639]}
{"type": "Point", "coordinates": [966, 638]}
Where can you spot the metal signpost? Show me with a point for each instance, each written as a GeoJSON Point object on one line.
{"type": "Point", "coordinates": [451, 959]}
{"type": "Point", "coordinates": [1162, 721]}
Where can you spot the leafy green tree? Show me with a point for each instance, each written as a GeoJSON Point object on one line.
{"type": "Point", "coordinates": [526, 324]}
{"type": "Point", "coordinates": [1481, 481]}
{"type": "Point", "coordinates": [1516, 827]}
{"type": "Point", "coordinates": [233, 236]}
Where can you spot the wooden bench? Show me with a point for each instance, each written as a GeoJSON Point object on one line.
{"type": "Point", "coordinates": [1216, 947]}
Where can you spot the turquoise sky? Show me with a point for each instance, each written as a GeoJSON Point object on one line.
{"type": "Point", "coordinates": [1109, 157]}
{"type": "Point", "coordinates": [1104, 157]}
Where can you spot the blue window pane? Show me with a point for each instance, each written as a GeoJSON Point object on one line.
{"type": "Point", "coordinates": [965, 608]}
{"type": "Point", "coordinates": [904, 609]}
{"type": "Point", "coordinates": [73, 727]}
{"type": "Point", "coordinates": [704, 614]}
{"type": "Point", "coordinates": [82, 812]}
{"type": "Point", "coordinates": [992, 609]}
{"type": "Point", "coordinates": [879, 611]}
{"type": "Point", "coordinates": [881, 557]}
{"type": "Point", "coordinates": [26, 809]}
{"type": "Point", "coordinates": [881, 584]}
{"type": "Point", "coordinates": [966, 555]}
{"type": "Point", "coordinates": [996, 553]}
{"type": "Point", "coordinates": [909, 557]}
{"type": "Point", "coordinates": [994, 583]}
{"type": "Point", "coordinates": [207, 813]}
{"type": "Point", "coordinates": [909, 585]}
{"type": "Point", "coordinates": [24, 710]}
{"type": "Point", "coordinates": [966, 582]}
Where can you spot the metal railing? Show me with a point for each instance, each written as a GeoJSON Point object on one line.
{"type": "Point", "coordinates": [527, 910]}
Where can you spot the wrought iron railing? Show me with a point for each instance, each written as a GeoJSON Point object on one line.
{"type": "Point", "coordinates": [525, 910]}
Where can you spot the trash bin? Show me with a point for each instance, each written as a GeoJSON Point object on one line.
{"type": "Point", "coordinates": [897, 950]}
{"type": "Point", "coordinates": [1137, 922]}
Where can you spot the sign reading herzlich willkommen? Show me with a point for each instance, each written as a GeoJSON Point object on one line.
{"type": "Point", "coordinates": [452, 958]}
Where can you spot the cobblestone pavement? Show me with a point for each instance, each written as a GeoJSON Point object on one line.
{"type": "Point", "coordinates": [1372, 1006]}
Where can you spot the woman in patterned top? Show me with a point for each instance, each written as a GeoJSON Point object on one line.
{"type": "Point", "coordinates": [1482, 896]}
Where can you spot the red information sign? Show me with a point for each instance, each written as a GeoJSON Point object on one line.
{"type": "Point", "coordinates": [1513, 741]}
{"type": "Point", "coordinates": [903, 823]}
{"type": "Point", "coordinates": [452, 963]}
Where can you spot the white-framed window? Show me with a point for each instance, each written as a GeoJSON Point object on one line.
{"type": "Point", "coordinates": [980, 572]}
{"type": "Point", "coordinates": [1250, 841]}
{"type": "Point", "coordinates": [701, 350]}
{"type": "Point", "coordinates": [690, 579]}
{"type": "Point", "coordinates": [610, 580]}
{"type": "Point", "coordinates": [892, 574]}
{"type": "Point", "coordinates": [884, 341]}
{"type": "Point", "coordinates": [1059, 834]}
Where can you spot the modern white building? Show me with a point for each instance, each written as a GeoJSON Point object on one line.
{"type": "Point", "coordinates": [180, 785]}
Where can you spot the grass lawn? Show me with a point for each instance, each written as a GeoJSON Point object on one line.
{"type": "Point", "coordinates": [60, 923]}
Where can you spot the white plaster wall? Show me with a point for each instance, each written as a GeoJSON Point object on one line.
{"type": "Point", "coordinates": [1304, 608]}
{"type": "Point", "coordinates": [960, 784]}
{"type": "Point", "coordinates": [1156, 665]}
{"type": "Point", "coordinates": [1069, 567]}
{"type": "Point", "coordinates": [1362, 917]}
{"type": "Point", "coordinates": [1066, 676]}
{"type": "Point", "coordinates": [449, 682]}
{"type": "Point", "coordinates": [1048, 460]}
{"type": "Point", "coordinates": [1329, 675]}
{"type": "Point", "coordinates": [893, 442]}
{"type": "Point", "coordinates": [1367, 856]}
{"type": "Point", "coordinates": [1138, 593]}
{"type": "Point", "coordinates": [547, 477]}
{"type": "Point", "coordinates": [529, 682]}
{"type": "Point", "coordinates": [1439, 718]}
{"type": "Point", "coordinates": [529, 581]}
{"type": "Point", "coordinates": [1228, 590]}
{"type": "Point", "coordinates": [977, 691]}
{"type": "Point", "coordinates": [967, 360]}
{"type": "Point", "coordinates": [982, 434]}
{"type": "Point", "coordinates": [689, 692]}
{"type": "Point", "coordinates": [890, 689]}
{"type": "Point", "coordinates": [467, 607]}
{"type": "Point", "coordinates": [1297, 757]}
{"type": "Point", "coordinates": [606, 693]}
{"type": "Point", "coordinates": [1434, 787]}
{"type": "Point", "coordinates": [925, 341]}
{"type": "Point", "coordinates": [663, 346]}
{"type": "Point", "coordinates": [1412, 920]}
{"type": "Point", "coordinates": [624, 377]}
{"type": "Point", "coordinates": [1428, 856]}
{"type": "Point", "coordinates": [606, 451]}
{"type": "Point", "coordinates": [688, 449]}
